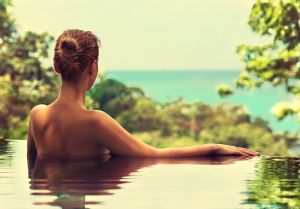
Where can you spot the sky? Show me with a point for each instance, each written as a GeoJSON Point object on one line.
{"type": "Point", "coordinates": [150, 34]}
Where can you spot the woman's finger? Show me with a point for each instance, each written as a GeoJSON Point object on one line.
{"type": "Point", "coordinates": [232, 151]}
{"type": "Point", "coordinates": [248, 151]}
{"type": "Point", "coordinates": [243, 150]}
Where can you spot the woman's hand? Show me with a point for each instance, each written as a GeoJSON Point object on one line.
{"type": "Point", "coordinates": [233, 150]}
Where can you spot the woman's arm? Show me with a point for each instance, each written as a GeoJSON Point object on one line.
{"type": "Point", "coordinates": [31, 147]}
{"type": "Point", "coordinates": [119, 141]}
{"type": "Point", "coordinates": [205, 150]}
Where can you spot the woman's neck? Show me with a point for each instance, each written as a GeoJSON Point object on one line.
{"type": "Point", "coordinates": [71, 93]}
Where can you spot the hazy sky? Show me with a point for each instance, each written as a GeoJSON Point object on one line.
{"type": "Point", "coordinates": [150, 34]}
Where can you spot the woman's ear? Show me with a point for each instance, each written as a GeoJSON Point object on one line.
{"type": "Point", "coordinates": [93, 69]}
{"type": "Point", "coordinates": [92, 74]}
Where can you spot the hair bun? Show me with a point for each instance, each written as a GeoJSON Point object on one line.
{"type": "Point", "coordinates": [69, 46]}
{"type": "Point", "coordinates": [69, 56]}
{"type": "Point", "coordinates": [74, 51]}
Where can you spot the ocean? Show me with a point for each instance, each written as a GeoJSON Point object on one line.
{"type": "Point", "coordinates": [202, 86]}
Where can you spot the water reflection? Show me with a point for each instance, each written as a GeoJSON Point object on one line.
{"type": "Point", "coordinates": [6, 152]}
{"type": "Point", "coordinates": [69, 182]}
{"type": "Point", "coordinates": [262, 182]}
{"type": "Point", "coordinates": [276, 184]}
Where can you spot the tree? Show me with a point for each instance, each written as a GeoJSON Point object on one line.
{"type": "Point", "coordinates": [142, 117]}
{"type": "Point", "coordinates": [114, 97]}
{"type": "Point", "coordinates": [278, 62]}
{"type": "Point", "coordinates": [24, 80]}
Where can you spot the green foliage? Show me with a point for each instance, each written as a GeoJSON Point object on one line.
{"type": "Point", "coordinates": [24, 81]}
{"type": "Point", "coordinates": [17, 127]}
{"type": "Point", "coordinates": [247, 135]}
{"type": "Point", "coordinates": [278, 62]}
{"type": "Point", "coordinates": [283, 109]}
{"type": "Point", "coordinates": [155, 139]}
{"type": "Point", "coordinates": [276, 184]}
{"type": "Point", "coordinates": [224, 90]}
{"type": "Point", "coordinates": [141, 117]}
{"type": "Point", "coordinates": [113, 97]}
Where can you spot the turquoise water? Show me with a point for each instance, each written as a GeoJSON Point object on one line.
{"type": "Point", "coordinates": [202, 86]}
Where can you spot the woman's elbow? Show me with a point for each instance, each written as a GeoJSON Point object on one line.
{"type": "Point", "coordinates": [214, 149]}
{"type": "Point", "coordinates": [151, 153]}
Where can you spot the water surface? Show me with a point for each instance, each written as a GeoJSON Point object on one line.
{"type": "Point", "coordinates": [208, 183]}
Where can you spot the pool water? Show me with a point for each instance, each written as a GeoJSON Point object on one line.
{"type": "Point", "coordinates": [206, 183]}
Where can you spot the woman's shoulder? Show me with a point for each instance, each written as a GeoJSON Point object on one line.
{"type": "Point", "coordinates": [37, 108]}
{"type": "Point", "coordinates": [98, 117]}
{"type": "Point", "coordinates": [97, 114]}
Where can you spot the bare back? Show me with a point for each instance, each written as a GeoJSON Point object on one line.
{"type": "Point", "coordinates": [64, 130]}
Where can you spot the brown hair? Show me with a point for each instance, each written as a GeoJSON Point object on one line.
{"type": "Point", "coordinates": [74, 51]}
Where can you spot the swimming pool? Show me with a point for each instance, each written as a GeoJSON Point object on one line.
{"type": "Point", "coordinates": [208, 183]}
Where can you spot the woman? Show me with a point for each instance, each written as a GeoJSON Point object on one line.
{"type": "Point", "coordinates": [66, 128]}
